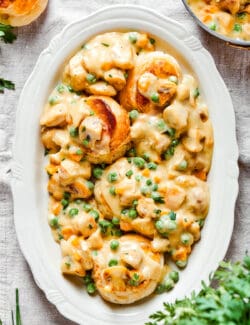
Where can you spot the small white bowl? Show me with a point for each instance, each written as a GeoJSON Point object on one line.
{"type": "Point", "coordinates": [29, 178]}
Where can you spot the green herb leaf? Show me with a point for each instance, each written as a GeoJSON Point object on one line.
{"type": "Point", "coordinates": [6, 84]}
{"type": "Point", "coordinates": [226, 303]}
{"type": "Point", "coordinates": [6, 33]}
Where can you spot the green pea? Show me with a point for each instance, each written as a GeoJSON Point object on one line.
{"type": "Point", "coordinates": [152, 166]}
{"type": "Point", "coordinates": [159, 225]}
{"type": "Point", "coordinates": [87, 207]}
{"type": "Point", "coordinates": [135, 203]}
{"type": "Point", "coordinates": [138, 178]}
{"type": "Point", "coordinates": [145, 190]}
{"type": "Point", "coordinates": [146, 156]}
{"type": "Point", "coordinates": [112, 177]}
{"type": "Point", "coordinates": [156, 196]}
{"type": "Point", "coordinates": [213, 26]}
{"type": "Point", "coordinates": [94, 214]}
{"type": "Point", "coordinates": [112, 190]}
{"type": "Point", "coordinates": [53, 100]}
{"type": "Point", "coordinates": [185, 238]}
{"type": "Point", "coordinates": [114, 244]}
{"type": "Point", "coordinates": [61, 88]}
{"type": "Point", "coordinates": [149, 182]}
{"type": "Point", "coordinates": [133, 114]}
{"type": "Point", "coordinates": [79, 152]}
{"type": "Point", "coordinates": [182, 165]}
{"type": "Point", "coordinates": [104, 225]}
{"type": "Point", "coordinates": [161, 125]}
{"type": "Point", "coordinates": [155, 187]}
{"type": "Point", "coordinates": [133, 37]}
{"type": "Point", "coordinates": [237, 28]}
{"type": "Point", "coordinates": [174, 275]}
{"type": "Point", "coordinates": [132, 213]}
{"type": "Point", "coordinates": [73, 212]}
{"type": "Point", "coordinates": [85, 142]}
{"type": "Point", "coordinates": [155, 98]}
{"type": "Point", "coordinates": [129, 173]}
{"type": "Point", "coordinates": [181, 264]}
{"type": "Point", "coordinates": [90, 185]}
{"type": "Point", "coordinates": [91, 288]}
{"type": "Point", "coordinates": [173, 79]}
{"type": "Point", "coordinates": [170, 225]}
{"type": "Point", "coordinates": [139, 162]}
{"type": "Point", "coordinates": [54, 222]}
{"type": "Point", "coordinates": [73, 132]}
{"type": "Point", "coordinates": [112, 262]}
{"type": "Point", "coordinates": [65, 203]}
{"type": "Point", "coordinates": [115, 221]}
{"type": "Point", "coordinates": [97, 172]}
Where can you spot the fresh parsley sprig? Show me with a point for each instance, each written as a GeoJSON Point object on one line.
{"type": "Point", "coordinates": [6, 84]}
{"type": "Point", "coordinates": [226, 303]}
{"type": "Point", "coordinates": [6, 33]}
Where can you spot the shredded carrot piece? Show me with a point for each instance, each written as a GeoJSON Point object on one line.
{"type": "Point", "coordinates": [146, 172]}
{"type": "Point", "coordinates": [201, 175]}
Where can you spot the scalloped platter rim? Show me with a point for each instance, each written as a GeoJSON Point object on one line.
{"type": "Point", "coordinates": [29, 179]}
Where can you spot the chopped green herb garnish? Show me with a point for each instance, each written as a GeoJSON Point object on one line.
{"type": "Point", "coordinates": [91, 78]}
{"type": "Point", "coordinates": [105, 44]}
{"type": "Point", "coordinates": [135, 280]}
{"type": "Point", "coordinates": [196, 93]}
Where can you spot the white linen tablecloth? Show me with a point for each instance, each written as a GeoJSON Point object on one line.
{"type": "Point", "coordinates": [16, 63]}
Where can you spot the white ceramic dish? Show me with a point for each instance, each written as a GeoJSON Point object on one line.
{"type": "Point", "coordinates": [29, 179]}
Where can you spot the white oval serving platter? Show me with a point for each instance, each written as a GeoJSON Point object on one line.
{"type": "Point", "coordinates": [29, 178]}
